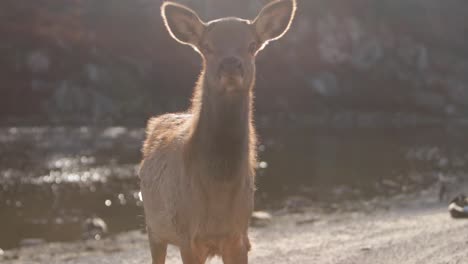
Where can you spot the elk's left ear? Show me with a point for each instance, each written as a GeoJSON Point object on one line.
{"type": "Point", "coordinates": [274, 20]}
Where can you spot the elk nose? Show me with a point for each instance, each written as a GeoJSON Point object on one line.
{"type": "Point", "coordinates": [231, 66]}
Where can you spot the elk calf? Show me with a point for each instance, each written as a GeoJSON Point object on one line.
{"type": "Point", "coordinates": [197, 173]}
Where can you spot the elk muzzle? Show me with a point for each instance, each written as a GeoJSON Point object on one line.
{"type": "Point", "coordinates": [231, 71]}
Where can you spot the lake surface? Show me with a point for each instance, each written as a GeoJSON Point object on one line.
{"type": "Point", "coordinates": [54, 178]}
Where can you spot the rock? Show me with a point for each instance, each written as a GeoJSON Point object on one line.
{"type": "Point", "coordinates": [296, 204]}
{"type": "Point", "coordinates": [325, 84]}
{"type": "Point", "coordinates": [443, 162]}
{"type": "Point", "coordinates": [458, 92]}
{"type": "Point", "coordinates": [114, 132]}
{"type": "Point", "coordinates": [390, 183]}
{"type": "Point", "coordinates": [38, 62]}
{"type": "Point", "coordinates": [103, 107]}
{"type": "Point", "coordinates": [261, 218]}
{"type": "Point", "coordinates": [11, 256]}
{"type": "Point", "coordinates": [94, 228]}
{"type": "Point", "coordinates": [343, 119]}
{"type": "Point", "coordinates": [450, 109]}
{"type": "Point", "coordinates": [90, 248]}
{"type": "Point", "coordinates": [69, 98]}
{"type": "Point", "coordinates": [29, 242]}
{"type": "Point", "coordinates": [432, 101]}
{"type": "Point", "coordinates": [39, 85]}
{"type": "Point", "coordinates": [367, 54]}
{"type": "Point", "coordinates": [413, 54]}
{"type": "Point", "coordinates": [344, 192]}
{"type": "Point", "coordinates": [362, 45]}
{"type": "Point", "coordinates": [92, 72]}
{"type": "Point", "coordinates": [307, 221]}
{"type": "Point", "coordinates": [422, 60]}
{"type": "Point", "coordinates": [332, 41]}
{"type": "Point", "coordinates": [459, 162]}
{"type": "Point", "coordinates": [416, 177]}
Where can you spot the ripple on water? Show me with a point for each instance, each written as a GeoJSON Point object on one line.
{"type": "Point", "coordinates": [53, 179]}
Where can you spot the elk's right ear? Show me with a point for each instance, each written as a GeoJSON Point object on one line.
{"type": "Point", "coordinates": [183, 23]}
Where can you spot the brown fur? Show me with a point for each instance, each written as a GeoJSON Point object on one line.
{"type": "Point", "coordinates": [197, 173]}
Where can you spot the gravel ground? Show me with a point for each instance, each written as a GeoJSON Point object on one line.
{"type": "Point", "coordinates": [404, 229]}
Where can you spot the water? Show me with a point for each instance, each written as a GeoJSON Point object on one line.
{"type": "Point", "coordinates": [53, 179]}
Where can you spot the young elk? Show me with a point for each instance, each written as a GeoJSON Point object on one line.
{"type": "Point", "coordinates": [197, 173]}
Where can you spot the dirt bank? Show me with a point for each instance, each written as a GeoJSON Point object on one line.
{"type": "Point", "coordinates": [405, 229]}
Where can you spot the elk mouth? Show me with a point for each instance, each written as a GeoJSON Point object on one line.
{"type": "Point", "coordinates": [231, 71]}
{"type": "Point", "coordinates": [231, 81]}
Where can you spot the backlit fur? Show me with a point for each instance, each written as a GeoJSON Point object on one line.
{"type": "Point", "coordinates": [198, 168]}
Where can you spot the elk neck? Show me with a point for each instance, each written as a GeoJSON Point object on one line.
{"type": "Point", "coordinates": [221, 129]}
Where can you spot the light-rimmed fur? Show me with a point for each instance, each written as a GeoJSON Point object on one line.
{"type": "Point", "coordinates": [197, 173]}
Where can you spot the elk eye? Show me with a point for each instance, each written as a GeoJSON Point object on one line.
{"type": "Point", "coordinates": [253, 47]}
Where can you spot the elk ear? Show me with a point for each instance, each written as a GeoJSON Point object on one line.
{"type": "Point", "coordinates": [183, 23]}
{"type": "Point", "coordinates": [274, 20]}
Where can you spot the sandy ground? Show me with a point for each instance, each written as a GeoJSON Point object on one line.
{"type": "Point", "coordinates": [406, 229]}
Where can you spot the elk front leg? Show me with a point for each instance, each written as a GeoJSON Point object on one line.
{"type": "Point", "coordinates": [158, 250]}
{"type": "Point", "coordinates": [193, 254]}
{"type": "Point", "coordinates": [236, 251]}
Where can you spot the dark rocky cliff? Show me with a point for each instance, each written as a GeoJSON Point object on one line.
{"type": "Point", "coordinates": [84, 61]}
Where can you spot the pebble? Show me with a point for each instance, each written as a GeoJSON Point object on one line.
{"type": "Point", "coordinates": [261, 218]}
{"type": "Point", "coordinates": [29, 242]}
{"type": "Point", "coordinates": [307, 221]}
{"type": "Point", "coordinates": [94, 228]}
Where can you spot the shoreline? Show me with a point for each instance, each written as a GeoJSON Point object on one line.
{"type": "Point", "coordinates": [406, 228]}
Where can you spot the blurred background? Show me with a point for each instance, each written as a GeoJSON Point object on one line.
{"type": "Point", "coordinates": [361, 99]}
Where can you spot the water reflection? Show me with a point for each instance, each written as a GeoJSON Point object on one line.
{"type": "Point", "coordinates": [55, 180]}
